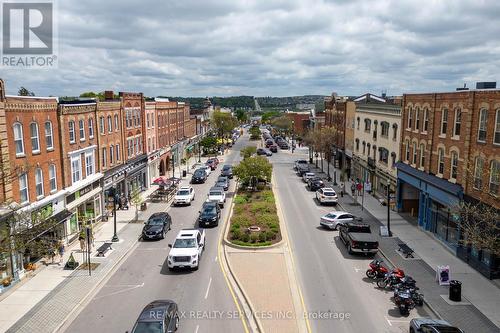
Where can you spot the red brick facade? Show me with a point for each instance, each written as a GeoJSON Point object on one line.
{"type": "Point", "coordinates": [300, 120]}
{"type": "Point", "coordinates": [133, 124]}
{"type": "Point", "coordinates": [5, 185]}
{"type": "Point", "coordinates": [109, 129]}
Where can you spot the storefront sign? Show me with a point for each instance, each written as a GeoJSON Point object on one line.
{"type": "Point", "coordinates": [443, 275]}
{"type": "Point", "coordinates": [85, 190]}
{"type": "Point", "coordinates": [384, 231]}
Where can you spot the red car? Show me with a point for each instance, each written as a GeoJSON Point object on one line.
{"type": "Point", "coordinates": [212, 163]}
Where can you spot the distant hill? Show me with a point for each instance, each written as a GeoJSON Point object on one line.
{"type": "Point", "coordinates": [292, 102]}
{"type": "Point", "coordinates": [236, 102]}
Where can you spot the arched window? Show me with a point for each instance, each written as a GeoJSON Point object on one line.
{"type": "Point", "coordinates": [101, 124]}
{"type": "Point", "coordinates": [444, 121]}
{"type": "Point", "coordinates": [18, 138]}
{"type": "Point", "coordinates": [117, 123]}
{"type": "Point", "coordinates": [441, 161]}
{"type": "Point", "coordinates": [422, 155]}
{"type": "Point", "coordinates": [71, 130]}
{"type": "Point", "coordinates": [364, 147]}
{"type": "Point", "coordinates": [368, 145]}
{"type": "Point", "coordinates": [385, 129]}
{"type": "Point", "coordinates": [111, 154]}
{"type": "Point", "coordinates": [39, 182]}
{"type": "Point", "coordinates": [91, 128]}
{"type": "Point", "coordinates": [454, 165]}
{"type": "Point", "coordinates": [110, 124]}
{"type": "Point", "coordinates": [394, 131]}
{"type": "Point", "coordinates": [478, 173]}
{"type": "Point", "coordinates": [426, 119]}
{"type": "Point", "coordinates": [358, 122]}
{"type": "Point", "coordinates": [414, 153]}
{"type": "Point", "coordinates": [417, 119]}
{"type": "Point", "coordinates": [383, 155]}
{"type": "Point", "coordinates": [407, 151]}
{"type": "Point", "coordinates": [393, 159]}
{"type": "Point", "coordinates": [81, 126]}
{"type": "Point", "coordinates": [410, 118]}
{"type": "Point", "coordinates": [35, 141]}
{"type": "Point", "coordinates": [52, 178]}
{"type": "Point", "coordinates": [495, 177]}
{"type": "Point", "coordinates": [23, 188]}
{"type": "Point", "coordinates": [49, 138]}
{"type": "Point", "coordinates": [368, 125]}
{"type": "Point", "coordinates": [481, 131]}
{"type": "Point", "coordinates": [458, 122]}
{"type": "Point", "coordinates": [357, 144]}
{"type": "Point", "coordinates": [496, 138]}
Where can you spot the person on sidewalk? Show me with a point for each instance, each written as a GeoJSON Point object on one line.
{"type": "Point", "coordinates": [81, 239]}
{"type": "Point", "coordinates": [359, 187]}
{"type": "Point", "coordinates": [61, 250]}
{"type": "Point", "coordinates": [342, 189]}
{"type": "Point", "coordinates": [353, 189]}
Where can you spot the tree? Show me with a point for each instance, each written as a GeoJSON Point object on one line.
{"type": "Point", "coordinates": [241, 115]}
{"type": "Point", "coordinates": [269, 115]}
{"type": "Point", "coordinates": [25, 92]}
{"type": "Point", "coordinates": [223, 123]}
{"type": "Point", "coordinates": [209, 144]}
{"type": "Point", "coordinates": [282, 123]}
{"type": "Point", "coordinates": [136, 200]}
{"type": "Point", "coordinates": [254, 133]}
{"type": "Point", "coordinates": [248, 151]}
{"type": "Point", "coordinates": [253, 169]}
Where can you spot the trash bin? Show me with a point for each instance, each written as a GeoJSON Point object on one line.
{"type": "Point", "coordinates": [184, 173]}
{"type": "Point", "coordinates": [455, 291]}
{"type": "Point", "coordinates": [310, 160]}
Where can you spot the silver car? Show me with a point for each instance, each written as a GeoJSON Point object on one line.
{"type": "Point", "coordinates": [333, 219]}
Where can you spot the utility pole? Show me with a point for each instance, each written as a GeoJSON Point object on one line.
{"type": "Point", "coordinates": [114, 195]}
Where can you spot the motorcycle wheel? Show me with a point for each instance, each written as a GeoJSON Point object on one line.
{"type": "Point", "coordinates": [382, 283]}
{"type": "Point", "coordinates": [371, 274]}
{"type": "Point", "coordinates": [403, 310]}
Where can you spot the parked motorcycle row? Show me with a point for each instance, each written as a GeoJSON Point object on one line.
{"type": "Point", "coordinates": [406, 295]}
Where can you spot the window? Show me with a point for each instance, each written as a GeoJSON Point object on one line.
{"type": "Point", "coordinates": [426, 119]}
{"type": "Point", "coordinates": [35, 142]}
{"type": "Point", "coordinates": [152, 120]}
{"type": "Point", "coordinates": [369, 147]}
{"type": "Point", "coordinates": [410, 118]}
{"type": "Point", "coordinates": [395, 132]}
{"type": "Point", "coordinates": [49, 141]}
{"type": "Point", "coordinates": [481, 133]}
{"type": "Point", "coordinates": [407, 150]}
{"type": "Point", "coordinates": [18, 139]}
{"type": "Point", "coordinates": [414, 153]}
{"type": "Point", "coordinates": [81, 126]}
{"type": "Point", "coordinates": [39, 182]}
{"type": "Point", "coordinates": [110, 124]}
{"type": "Point", "coordinates": [52, 178]}
{"type": "Point", "coordinates": [496, 138]}
{"type": "Point", "coordinates": [454, 165]}
{"type": "Point", "coordinates": [368, 125]}
{"type": "Point", "coordinates": [441, 161]}
{"type": "Point", "coordinates": [358, 122]}
{"type": "Point", "coordinates": [495, 177]}
{"type": "Point", "coordinates": [23, 188]}
{"type": "Point", "coordinates": [117, 124]}
{"type": "Point", "coordinates": [89, 163]}
{"type": "Point", "coordinates": [385, 129]}
{"type": "Point", "coordinates": [393, 160]}
{"type": "Point", "coordinates": [384, 155]}
{"type": "Point", "coordinates": [91, 128]}
{"type": "Point", "coordinates": [444, 121]}
{"type": "Point", "coordinates": [357, 144]}
{"type": "Point", "coordinates": [364, 147]}
{"type": "Point", "coordinates": [458, 121]}
{"type": "Point", "coordinates": [101, 124]}
{"type": "Point", "coordinates": [76, 169]}
{"type": "Point", "coordinates": [375, 130]}
{"type": "Point", "coordinates": [478, 173]}
{"type": "Point", "coordinates": [147, 119]}
{"type": "Point", "coordinates": [71, 129]}
{"type": "Point", "coordinates": [117, 152]}
{"type": "Point", "coordinates": [417, 119]}
{"type": "Point", "coordinates": [422, 155]}
{"type": "Point", "coordinates": [111, 154]}
{"type": "Point", "coordinates": [149, 144]}
{"type": "Point", "coordinates": [104, 151]}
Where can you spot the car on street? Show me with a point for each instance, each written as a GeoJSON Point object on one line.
{"type": "Point", "coordinates": [302, 169]}
{"type": "Point", "coordinates": [315, 183]}
{"type": "Point", "coordinates": [429, 325]}
{"type": "Point", "coordinates": [218, 195]}
{"type": "Point", "coordinates": [222, 182]}
{"type": "Point", "coordinates": [307, 175]}
{"type": "Point", "coordinates": [207, 168]}
{"type": "Point", "coordinates": [261, 151]}
{"type": "Point", "coordinates": [227, 171]}
{"type": "Point", "coordinates": [187, 249]}
{"type": "Point", "coordinates": [335, 218]}
{"type": "Point", "coordinates": [357, 237]}
{"type": "Point", "coordinates": [273, 148]}
{"type": "Point", "coordinates": [212, 163]}
{"type": "Point", "coordinates": [268, 152]}
{"type": "Point", "coordinates": [156, 226]}
{"type": "Point", "coordinates": [160, 316]}
{"type": "Point", "coordinates": [327, 195]}
{"type": "Point", "coordinates": [269, 143]}
{"type": "Point", "coordinates": [209, 215]}
{"type": "Point", "coordinates": [299, 162]}
{"type": "Point", "coordinates": [184, 196]}
{"type": "Point", "coordinates": [199, 176]}
{"type": "Point", "coordinates": [283, 145]}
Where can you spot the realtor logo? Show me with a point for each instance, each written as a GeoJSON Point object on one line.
{"type": "Point", "coordinates": [28, 34]}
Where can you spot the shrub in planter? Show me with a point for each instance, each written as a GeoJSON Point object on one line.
{"type": "Point", "coordinates": [254, 238]}
{"type": "Point", "coordinates": [270, 235]}
{"type": "Point", "coordinates": [245, 237]}
{"type": "Point", "coordinates": [236, 234]}
{"type": "Point", "coordinates": [7, 281]}
{"type": "Point", "coordinates": [239, 199]}
{"type": "Point", "coordinates": [262, 236]}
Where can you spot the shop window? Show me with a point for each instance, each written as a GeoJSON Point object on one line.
{"type": "Point", "coordinates": [441, 161]}
{"type": "Point", "coordinates": [458, 122]}
{"type": "Point", "coordinates": [495, 177]}
{"type": "Point", "coordinates": [52, 178]}
{"type": "Point", "coordinates": [39, 183]}
{"type": "Point", "coordinates": [91, 128]}
{"type": "Point", "coordinates": [444, 121]}
{"type": "Point", "coordinates": [97, 206]}
{"type": "Point", "coordinates": [81, 126]}
{"type": "Point", "coordinates": [478, 173]}
{"type": "Point", "coordinates": [49, 138]}
{"type": "Point", "coordinates": [23, 188]}
{"type": "Point", "coordinates": [18, 139]}
{"type": "Point", "coordinates": [35, 141]}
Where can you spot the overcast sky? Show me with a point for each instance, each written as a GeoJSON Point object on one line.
{"type": "Point", "coordinates": [269, 48]}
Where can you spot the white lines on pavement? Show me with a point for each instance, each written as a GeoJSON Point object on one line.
{"type": "Point", "coordinates": [208, 288]}
{"type": "Point", "coordinates": [153, 249]}
{"type": "Point", "coordinates": [357, 269]}
{"type": "Point", "coordinates": [390, 321]}
{"type": "Point", "coordinates": [128, 288]}
{"type": "Point", "coordinates": [215, 258]}
{"type": "Point", "coordinates": [197, 328]}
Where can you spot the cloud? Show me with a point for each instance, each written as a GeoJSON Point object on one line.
{"type": "Point", "coordinates": [272, 47]}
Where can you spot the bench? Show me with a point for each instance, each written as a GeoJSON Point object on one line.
{"type": "Point", "coordinates": [407, 251]}
{"type": "Point", "coordinates": [101, 251]}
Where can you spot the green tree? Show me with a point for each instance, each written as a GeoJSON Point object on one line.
{"type": "Point", "coordinates": [209, 144]}
{"type": "Point", "coordinates": [25, 92]}
{"type": "Point", "coordinates": [253, 169]}
{"type": "Point", "coordinates": [254, 133]}
{"type": "Point", "coordinates": [269, 115]}
{"type": "Point", "coordinates": [136, 200]}
{"type": "Point", "coordinates": [241, 115]}
{"type": "Point", "coordinates": [248, 151]}
{"type": "Point", "coordinates": [223, 123]}
{"type": "Point", "coordinates": [282, 123]}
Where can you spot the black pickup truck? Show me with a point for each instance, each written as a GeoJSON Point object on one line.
{"type": "Point", "coordinates": [357, 238]}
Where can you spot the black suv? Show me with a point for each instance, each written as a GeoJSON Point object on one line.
{"type": "Point", "coordinates": [158, 317]}
{"type": "Point", "coordinates": [227, 171]}
{"type": "Point", "coordinates": [315, 183]}
{"type": "Point", "coordinates": [209, 214]}
{"type": "Point", "coordinates": [157, 226]}
{"type": "Point", "coordinates": [199, 176]}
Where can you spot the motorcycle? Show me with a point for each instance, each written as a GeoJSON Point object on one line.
{"type": "Point", "coordinates": [377, 271]}
{"type": "Point", "coordinates": [417, 297]}
{"type": "Point", "coordinates": [404, 302]}
{"type": "Point", "coordinates": [391, 279]}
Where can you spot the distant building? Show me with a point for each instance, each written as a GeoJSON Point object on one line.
{"type": "Point", "coordinates": [301, 121]}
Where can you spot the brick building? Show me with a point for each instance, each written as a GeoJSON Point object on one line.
{"type": "Point", "coordinates": [152, 148]}
{"type": "Point", "coordinates": [164, 109]}
{"type": "Point", "coordinates": [80, 156]}
{"type": "Point", "coordinates": [301, 121]}
{"type": "Point", "coordinates": [5, 186]}
{"type": "Point", "coordinates": [450, 152]}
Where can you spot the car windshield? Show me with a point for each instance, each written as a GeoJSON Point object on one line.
{"type": "Point", "coordinates": [331, 216]}
{"type": "Point", "coordinates": [329, 194]}
{"type": "Point", "coordinates": [148, 327]}
{"type": "Point", "coordinates": [155, 221]}
{"type": "Point", "coordinates": [183, 243]}
{"type": "Point", "coordinates": [215, 193]}
{"type": "Point", "coordinates": [226, 167]}
{"type": "Point", "coordinates": [199, 173]}
{"type": "Point", "coordinates": [183, 192]}
{"type": "Point", "coordinates": [209, 211]}
{"type": "Point", "coordinates": [221, 179]}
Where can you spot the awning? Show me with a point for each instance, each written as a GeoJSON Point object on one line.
{"type": "Point", "coordinates": [62, 216]}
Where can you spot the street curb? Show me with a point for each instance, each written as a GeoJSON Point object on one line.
{"type": "Point", "coordinates": [389, 261]}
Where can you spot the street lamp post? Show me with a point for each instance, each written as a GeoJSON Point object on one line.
{"type": "Point", "coordinates": [114, 195]}
{"type": "Point", "coordinates": [199, 152]}
{"type": "Point", "coordinates": [293, 136]}
{"type": "Point", "coordinates": [389, 208]}
{"type": "Point", "coordinates": [334, 169]}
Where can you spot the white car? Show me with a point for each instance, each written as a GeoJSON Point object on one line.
{"type": "Point", "coordinates": [207, 169]}
{"type": "Point", "coordinates": [187, 249]}
{"type": "Point", "coordinates": [184, 196]}
{"type": "Point", "coordinates": [218, 195]}
{"type": "Point", "coordinates": [308, 175]}
{"type": "Point", "coordinates": [327, 195]}
{"type": "Point", "coordinates": [333, 219]}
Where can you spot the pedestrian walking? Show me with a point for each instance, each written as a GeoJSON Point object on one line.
{"type": "Point", "coordinates": [342, 189]}
{"type": "Point", "coordinates": [61, 250]}
{"type": "Point", "coordinates": [353, 189]}
{"type": "Point", "coordinates": [359, 187]}
{"type": "Point", "coordinates": [81, 238]}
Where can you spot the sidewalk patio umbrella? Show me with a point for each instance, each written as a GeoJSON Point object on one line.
{"type": "Point", "coordinates": [162, 181]}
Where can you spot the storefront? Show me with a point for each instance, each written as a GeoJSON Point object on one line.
{"type": "Point", "coordinates": [115, 178]}
{"type": "Point", "coordinates": [136, 174]}
{"type": "Point", "coordinates": [153, 166]}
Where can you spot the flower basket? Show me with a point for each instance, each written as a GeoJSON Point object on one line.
{"type": "Point", "coordinates": [30, 266]}
{"type": "Point", "coordinates": [7, 281]}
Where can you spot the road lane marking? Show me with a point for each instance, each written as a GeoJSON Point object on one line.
{"type": "Point", "coordinates": [132, 287]}
{"type": "Point", "coordinates": [357, 269]}
{"type": "Point", "coordinates": [215, 258]}
{"type": "Point", "coordinates": [197, 328]}
{"type": "Point", "coordinates": [208, 288]}
{"type": "Point", "coordinates": [388, 321]}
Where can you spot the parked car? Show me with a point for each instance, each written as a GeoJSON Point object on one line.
{"type": "Point", "coordinates": [429, 325]}
{"type": "Point", "coordinates": [157, 226]}
{"type": "Point", "coordinates": [184, 196]}
{"type": "Point", "coordinates": [199, 176]}
{"type": "Point", "coordinates": [217, 194]}
{"type": "Point", "coordinates": [283, 145]}
{"type": "Point", "coordinates": [261, 151]}
{"type": "Point", "coordinates": [357, 238]}
{"type": "Point", "coordinates": [315, 183]}
{"type": "Point", "coordinates": [333, 219]}
{"type": "Point", "coordinates": [222, 182]}
{"type": "Point", "coordinates": [307, 175]}
{"type": "Point", "coordinates": [273, 148]}
{"type": "Point", "coordinates": [158, 317]}
{"type": "Point", "coordinates": [327, 195]}
{"type": "Point", "coordinates": [207, 168]}
{"type": "Point", "coordinates": [187, 249]}
{"type": "Point", "coordinates": [209, 214]}
{"type": "Point", "coordinates": [302, 169]}
{"type": "Point", "coordinates": [227, 171]}
{"type": "Point", "coordinates": [269, 143]}
{"type": "Point", "coordinates": [268, 152]}
{"type": "Point", "coordinates": [213, 163]}
{"type": "Point", "coordinates": [299, 162]}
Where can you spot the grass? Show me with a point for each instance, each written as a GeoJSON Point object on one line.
{"type": "Point", "coordinates": [254, 209]}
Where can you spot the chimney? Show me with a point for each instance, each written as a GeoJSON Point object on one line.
{"type": "Point", "coordinates": [108, 94]}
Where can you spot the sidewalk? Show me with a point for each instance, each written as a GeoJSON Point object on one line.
{"type": "Point", "coordinates": [479, 312]}
{"type": "Point", "coordinates": [43, 302]}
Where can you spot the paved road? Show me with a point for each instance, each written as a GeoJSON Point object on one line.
{"type": "Point", "coordinates": [144, 276]}
{"type": "Point", "coordinates": [332, 281]}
